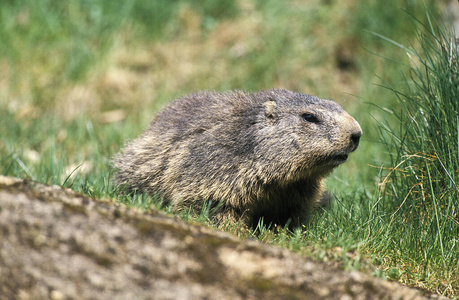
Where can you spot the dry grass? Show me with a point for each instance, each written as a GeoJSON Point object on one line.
{"type": "Point", "coordinates": [138, 74]}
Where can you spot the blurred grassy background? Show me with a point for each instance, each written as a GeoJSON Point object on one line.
{"type": "Point", "coordinates": [80, 77]}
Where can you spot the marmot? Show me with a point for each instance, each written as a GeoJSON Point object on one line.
{"type": "Point", "coordinates": [257, 155]}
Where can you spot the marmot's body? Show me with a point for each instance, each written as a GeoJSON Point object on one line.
{"type": "Point", "coordinates": [264, 154]}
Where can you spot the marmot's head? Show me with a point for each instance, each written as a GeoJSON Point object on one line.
{"type": "Point", "coordinates": [304, 135]}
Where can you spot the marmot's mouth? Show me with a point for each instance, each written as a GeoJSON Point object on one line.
{"type": "Point", "coordinates": [338, 159]}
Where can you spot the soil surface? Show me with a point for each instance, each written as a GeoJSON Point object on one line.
{"type": "Point", "coordinates": [57, 244]}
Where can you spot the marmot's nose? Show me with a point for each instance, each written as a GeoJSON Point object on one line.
{"type": "Point", "coordinates": [355, 138]}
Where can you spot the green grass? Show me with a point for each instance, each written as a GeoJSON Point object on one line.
{"type": "Point", "coordinates": [425, 152]}
{"type": "Point", "coordinates": [79, 78]}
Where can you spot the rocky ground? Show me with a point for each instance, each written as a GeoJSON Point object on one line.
{"type": "Point", "coordinates": [57, 244]}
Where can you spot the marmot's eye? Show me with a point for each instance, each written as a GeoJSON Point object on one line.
{"type": "Point", "coordinates": [310, 118]}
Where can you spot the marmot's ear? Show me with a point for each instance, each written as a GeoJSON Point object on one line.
{"type": "Point", "coordinates": [270, 110]}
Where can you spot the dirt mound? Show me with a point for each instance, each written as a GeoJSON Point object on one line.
{"type": "Point", "coordinates": [57, 244]}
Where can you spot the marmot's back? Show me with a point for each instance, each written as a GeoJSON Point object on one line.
{"type": "Point", "coordinates": [263, 154]}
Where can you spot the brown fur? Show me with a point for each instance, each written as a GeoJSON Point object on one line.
{"type": "Point", "coordinates": [254, 154]}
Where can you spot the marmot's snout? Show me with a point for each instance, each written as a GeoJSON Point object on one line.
{"type": "Point", "coordinates": [351, 141]}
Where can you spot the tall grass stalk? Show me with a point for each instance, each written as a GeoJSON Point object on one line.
{"type": "Point", "coordinates": [422, 184]}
